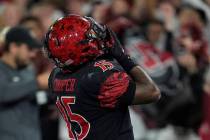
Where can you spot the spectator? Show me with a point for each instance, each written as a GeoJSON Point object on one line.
{"type": "Point", "coordinates": [156, 33]}
{"type": "Point", "coordinates": [166, 12]}
{"type": "Point", "coordinates": [143, 10]}
{"type": "Point", "coordinates": [117, 16]}
{"type": "Point", "coordinates": [100, 11]}
{"type": "Point", "coordinates": [191, 52]}
{"type": "Point", "coordinates": [33, 24]}
{"type": "Point", "coordinates": [11, 14]}
{"type": "Point", "coordinates": [75, 6]}
{"type": "Point", "coordinates": [151, 52]}
{"type": "Point", "coordinates": [189, 14]}
{"type": "Point", "coordinates": [18, 110]}
{"type": "Point", "coordinates": [205, 127]}
{"type": "Point", "coordinates": [50, 14]}
{"type": "Point", "coordinates": [201, 4]}
{"type": "Point", "coordinates": [48, 112]}
{"type": "Point", "coordinates": [119, 19]}
{"type": "Point", "coordinates": [191, 47]}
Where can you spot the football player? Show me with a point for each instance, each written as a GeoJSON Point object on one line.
{"type": "Point", "coordinates": [95, 80]}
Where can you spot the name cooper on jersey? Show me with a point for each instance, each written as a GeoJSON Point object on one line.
{"type": "Point", "coordinates": [64, 85]}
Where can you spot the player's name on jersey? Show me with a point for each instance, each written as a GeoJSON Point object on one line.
{"type": "Point", "coordinates": [64, 85]}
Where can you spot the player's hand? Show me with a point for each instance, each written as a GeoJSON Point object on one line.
{"type": "Point", "coordinates": [116, 50]}
{"type": "Point", "coordinates": [113, 45]}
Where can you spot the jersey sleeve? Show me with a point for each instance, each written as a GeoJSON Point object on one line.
{"type": "Point", "coordinates": [51, 78]}
{"type": "Point", "coordinates": [117, 90]}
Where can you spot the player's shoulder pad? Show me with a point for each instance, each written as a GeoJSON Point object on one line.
{"type": "Point", "coordinates": [99, 70]}
{"type": "Point", "coordinates": [105, 66]}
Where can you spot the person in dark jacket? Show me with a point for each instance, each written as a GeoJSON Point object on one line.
{"type": "Point", "coordinates": [19, 113]}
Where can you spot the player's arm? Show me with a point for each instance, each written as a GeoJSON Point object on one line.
{"type": "Point", "coordinates": [146, 89]}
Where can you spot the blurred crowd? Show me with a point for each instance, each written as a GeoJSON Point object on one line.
{"type": "Point", "coordinates": [170, 39]}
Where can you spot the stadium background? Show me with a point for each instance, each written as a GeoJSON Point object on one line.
{"type": "Point", "coordinates": [168, 38]}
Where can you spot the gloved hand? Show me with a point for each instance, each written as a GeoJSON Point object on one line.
{"type": "Point", "coordinates": [115, 49]}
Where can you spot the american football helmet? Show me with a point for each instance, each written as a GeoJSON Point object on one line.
{"type": "Point", "coordinates": [74, 40]}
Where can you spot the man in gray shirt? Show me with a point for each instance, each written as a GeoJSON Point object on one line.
{"type": "Point", "coordinates": [19, 113]}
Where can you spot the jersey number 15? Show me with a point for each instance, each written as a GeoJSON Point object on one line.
{"type": "Point", "coordinates": [63, 103]}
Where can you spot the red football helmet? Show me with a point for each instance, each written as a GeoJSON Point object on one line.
{"type": "Point", "coordinates": [74, 40]}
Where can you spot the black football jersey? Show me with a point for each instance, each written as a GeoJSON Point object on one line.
{"type": "Point", "coordinates": [94, 101]}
